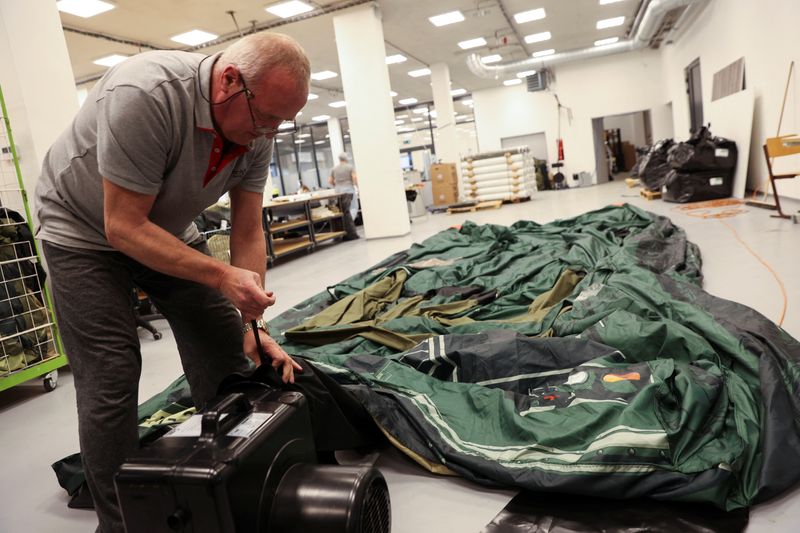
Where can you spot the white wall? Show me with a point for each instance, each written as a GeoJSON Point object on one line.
{"type": "Point", "coordinates": [612, 85]}
{"type": "Point", "coordinates": [661, 118]}
{"type": "Point", "coordinates": [37, 81]}
{"type": "Point", "coordinates": [765, 33]}
{"type": "Point", "coordinates": [631, 126]}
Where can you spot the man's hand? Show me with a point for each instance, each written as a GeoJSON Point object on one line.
{"type": "Point", "coordinates": [243, 288]}
{"type": "Point", "coordinates": [280, 359]}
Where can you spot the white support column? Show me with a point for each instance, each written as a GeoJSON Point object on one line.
{"type": "Point", "coordinates": [335, 136]}
{"type": "Point", "coordinates": [37, 80]}
{"type": "Point", "coordinates": [370, 114]}
{"type": "Point", "coordinates": [446, 139]}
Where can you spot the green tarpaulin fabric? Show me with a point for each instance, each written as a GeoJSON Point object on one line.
{"type": "Point", "coordinates": [580, 356]}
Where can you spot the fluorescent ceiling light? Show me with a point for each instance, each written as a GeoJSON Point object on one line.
{"type": "Point", "coordinates": [396, 58]}
{"type": "Point", "coordinates": [401, 116]}
{"type": "Point", "coordinates": [278, 140]}
{"type": "Point", "coordinates": [467, 102]}
{"type": "Point", "coordinates": [398, 122]}
{"type": "Point", "coordinates": [304, 135]}
{"type": "Point", "coordinates": [526, 73]}
{"type": "Point", "coordinates": [339, 103]}
{"type": "Point", "coordinates": [494, 58]}
{"type": "Point", "coordinates": [419, 72]}
{"type": "Point", "coordinates": [194, 37]}
{"type": "Point", "coordinates": [285, 126]}
{"type": "Point", "coordinates": [610, 23]}
{"type": "Point", "coordinates": [417, 119]}
{"type": "Point", "coordinates": [299, 141]}
{"type": "Point", "coordinates": [312, 96]}
{"type": "Point", "coordinates": [319, 142]}
{"type": "Point", "coordinates": [515, 81]}
{"type": "Point", "coordinates": [472, 43]}
{"type": "Point", "coordinates": [446, 18]}
{"type": "Point", "coordinates": [320, 118]}
{"type": "Point", "coordinates": [538, 37]}
{"type": "Point", "coordinates": [407, 101]}
{"type": "Point", "coordinates": [392, 94]}
{"type": "Point", "coordinates": [433, 114]}
{"type": "Point", "coordinates": [603, 42]}
{"type": "Point", "coordinates": [323, 75]}
{"type": "Point", "coordinates": [289, 9]}
{"type": "Point", "coordinates": [542, 53]}
{"type": "Point", "coordinates": [606, 2]}
{"type": "Point", "coordinates": [110, 61]}
{"type": "Point", "coordinates": [528, 16]}
{"type": "Point", "coordinates": [346, 136]}
{"type": "Point", "coordinates": [458, 92]}
{"type": "Point", "coordinates": [420, 110]}
{"type": "Point", "coordinates": [84, 8]}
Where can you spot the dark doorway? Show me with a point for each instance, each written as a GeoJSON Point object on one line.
{"type": "Point", "coordinates": [694, 89]}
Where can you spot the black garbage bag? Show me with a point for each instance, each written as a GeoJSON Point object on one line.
{"type": "Point", "coordinates": [684, 187]}
{"type": "Point", "coordinates": [653, 167]}
{"type": "Point", "coordinates": [703, 151]}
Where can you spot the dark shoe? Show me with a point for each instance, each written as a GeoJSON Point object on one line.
{"type": "Point", "coordinates": [350, 237]}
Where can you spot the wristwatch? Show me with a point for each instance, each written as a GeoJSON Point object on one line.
{"type": "Point", "coordinates": [260, 324]}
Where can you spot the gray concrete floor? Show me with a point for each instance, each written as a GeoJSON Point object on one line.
{"type": "Point", "coordinates": [39, 428]}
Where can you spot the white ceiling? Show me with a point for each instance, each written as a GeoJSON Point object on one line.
{"type": "Point", "coordinates": [406, 27]}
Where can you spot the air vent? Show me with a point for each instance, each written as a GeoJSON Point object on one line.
{"type": "Point", "coordinates": [537, 82]}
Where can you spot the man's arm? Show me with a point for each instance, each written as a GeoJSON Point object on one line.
{"type": "Point", "coordinates": [355, 178]}
{"type": "Point", "coordinates": [249, 251]}
{"type": "Point", "coordinates": [129, 230]}
{"type": "Point", "coordinates": [330, 180]}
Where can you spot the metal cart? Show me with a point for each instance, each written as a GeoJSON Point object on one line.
{"type": "Point", "coordinates": [30, 346]}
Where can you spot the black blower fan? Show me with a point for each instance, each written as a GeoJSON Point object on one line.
{"type": "Point", "coordinates": [248, 465]}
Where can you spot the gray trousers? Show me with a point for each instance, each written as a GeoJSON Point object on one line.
{"type": "Point", "coordinates": [92, 292]}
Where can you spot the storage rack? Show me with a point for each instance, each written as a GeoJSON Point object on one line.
{"type": "Point", "coordinates": [301, 215]}
{"type": "Point", "coordinates": [30, 345]}
{"type": "Point", "coordinates": [508, 174]}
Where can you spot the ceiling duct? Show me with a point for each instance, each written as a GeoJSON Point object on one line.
{"type": "Point", "coordinates": [656, 24]}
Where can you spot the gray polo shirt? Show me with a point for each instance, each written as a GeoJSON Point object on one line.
{"type": "Point", "coordinates": [145, 127]}
{"type": "Point", "coordinates": [342, 175]}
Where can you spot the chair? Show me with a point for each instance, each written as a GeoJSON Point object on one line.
{"type": "Point", "coordinates": [144, 312]}
{"type": "Point", "coordinates": [774, 148]}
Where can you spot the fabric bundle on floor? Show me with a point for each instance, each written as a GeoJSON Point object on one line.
{"type": "Point", "coordinates": [580, 356]}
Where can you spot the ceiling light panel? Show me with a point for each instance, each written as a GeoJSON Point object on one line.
{"type": "Point", "coordinates": [320, 118]}
{"type": "Point", "coordinates": [606, 2]}
{"type": "Point", "coordinates": [392, 94]}
{"type": "Point", "coordinates": [538, 37]}
{"type": "Point", "coordinates": [543, 53]}
{"type": "Point", "coordinates": [83, 8]}
{"type": "Point", "coordinates": [337, 104]}
{"type": "Point", "coordinates": [515, 81]}
{"type": "Point", "coordinates": [610, 23]}
{"type": "Point", "coordinates": [494, 58]}
{"type": "Point", "coordinates": [194, 37]}
{"type": "Point", "coordinates": [110, 61]}
{"type": "Point", "coordinates": [323, 75]}
{"type": "Point", "coordinates": [472, 43]}
{"type": "Point", "coordinates": [396, 58]}
{"type": "Point", "coordinates": [407, 101]}
{"type": "Point", "coordinates": [447, 18]}
{"type": "Point", "coordinates": [419, 72]}
{"type": "Point", "coordinates": [289, 9]}
{"type": "Point", "coordinates": [458, 92]}
{"type": "Point", "coordinates": [312, 96]}
{"type": "Point", "coordinates": [604, 42]}
{"type": "Point", "coordinates": [530, 15]}
{"type": "Point", "coordinates": [526, 73]}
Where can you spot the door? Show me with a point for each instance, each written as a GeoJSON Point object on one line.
{"type": "Point", "coordinates": [695, 91]}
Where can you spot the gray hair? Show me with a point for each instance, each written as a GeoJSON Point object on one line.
{"type": "Point", "coordinates": [258, 53]}
{"type": "Point", "coordinates": [344, 157]}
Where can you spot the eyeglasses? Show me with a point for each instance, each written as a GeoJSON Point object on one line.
{"type": "Point", "coordinates": [287, 126]}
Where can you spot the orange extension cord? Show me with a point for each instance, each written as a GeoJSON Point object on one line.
{"type": "Point", "coordinates": [726, 208]}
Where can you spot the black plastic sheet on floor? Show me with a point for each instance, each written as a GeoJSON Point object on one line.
{"type": "Point", "coordinates": [531, 512]}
